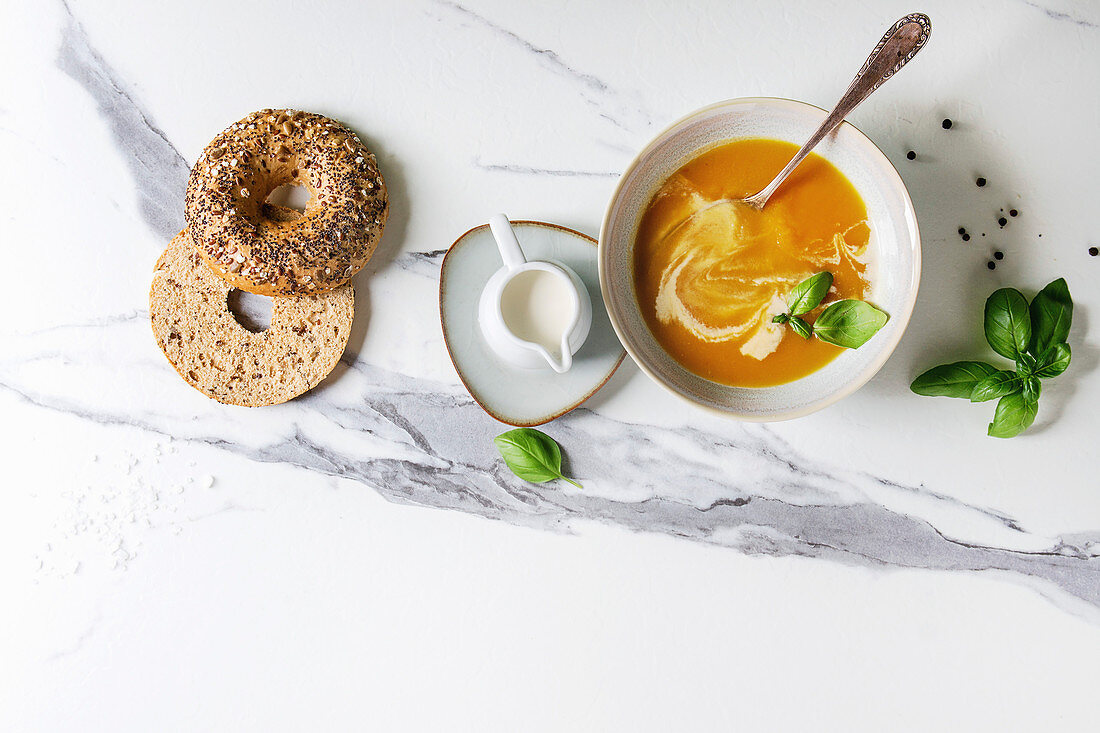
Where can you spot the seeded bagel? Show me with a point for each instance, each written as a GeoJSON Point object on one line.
{"type": "Point", "coordinates": [188, 307]}
{"type": "Point", "coordinates": [318, 250]}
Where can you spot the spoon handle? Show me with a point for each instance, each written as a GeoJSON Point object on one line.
{"type": "Point", "coordinates": [901, 43]}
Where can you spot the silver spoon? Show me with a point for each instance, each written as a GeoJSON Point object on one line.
{"type": "Point", "coordinates": [900, 44]}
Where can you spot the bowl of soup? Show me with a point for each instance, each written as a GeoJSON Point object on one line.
{"type": "Point", "coordinates": [692, 278]}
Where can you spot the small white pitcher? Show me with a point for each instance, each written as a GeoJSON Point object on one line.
{"type": "Point", "coordinates": [503, 341]}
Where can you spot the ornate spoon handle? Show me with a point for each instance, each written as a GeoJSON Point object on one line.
{"type": "Point", "coordinates": [900, 44]}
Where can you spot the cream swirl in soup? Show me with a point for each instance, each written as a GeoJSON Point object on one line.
{"type": "Point", "coordinates": [711, 272]}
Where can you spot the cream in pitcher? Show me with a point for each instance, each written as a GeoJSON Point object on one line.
{"type": "Point", "coordinates": [532, 314]}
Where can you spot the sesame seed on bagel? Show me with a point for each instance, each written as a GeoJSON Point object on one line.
{"type": "Point", "coordinates": [272, 251]}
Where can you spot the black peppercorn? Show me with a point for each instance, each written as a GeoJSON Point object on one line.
{"type": "Point", "coordinates": [1002, 221]}
{"type": "Point", "coordinates": [998, 255]}
{"type": "Point", "coordinates": [966, 237]}
{"type": "Point", "coordinates": [1013, 212]}
{"type": "Point", "coordinates": [946, 124]}
{"type": "Point", "coordinates": [911, 155]}
{"type": "Point", "coordinates": [980, 182]}
{"type": "Point", "coordinates": [991, 265]}
{"type": "Point", "coordinates": [1094, 251]}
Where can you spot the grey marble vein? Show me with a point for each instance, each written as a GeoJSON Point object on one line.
{"type": "Point", "coordinates": [527, 170]}
{"type": "Point", "coordinates": [429, 444]}
{"type": "Point", "coordinates": [434, 256]}
{"type": "Point", "coordinates": [80, 641]}
{"type": "Point", "coordinates": [1060, 16]}
{"type": "Point", "coordinates": [622, 112]}
{"type": "Point", "coordinates": [159, 170]}
{"type": "Point", "coordinates": [425, 264]}
{"type": "Point", "coordinates": [134, 315]}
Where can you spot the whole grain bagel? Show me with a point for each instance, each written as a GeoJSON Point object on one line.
{"type": "Point", "coordinates": [252, 249]}
{"type": "Point", "coordinates": [192, 323]}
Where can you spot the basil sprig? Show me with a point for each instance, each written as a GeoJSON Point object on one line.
{"type": "Point", "coordinates": [847, 323]}
{"type": "Point", "coordinates": [1034, 336]}
{"type": "Point", "coordinates": [532, 455]}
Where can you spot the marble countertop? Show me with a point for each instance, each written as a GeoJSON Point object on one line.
{"type": "Point", "coordinates": [360, 558]}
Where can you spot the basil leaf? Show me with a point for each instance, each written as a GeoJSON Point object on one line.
{"type": "Point", "coordinates": [1014, 414]}
{"type": "Point", "coordinates": [802, 328]}
{"type": "Point", "coordinates": [996, 385]}
{"type": "Point", "coordinates": [1051, 314]}
{"type": "Point", "coordinates": [809, 293]}
{"type": "Point", "coordinates": [1053, 362]}
{"type": "Point", "coordinates": [1025, 364]}
{"type": "Point", "coordinates": [1007, 322]}
{"type": "Point", "coordinates": [780, 318]}
{"type": "Point", "coordinates": [1032, 388]}
{"type": "Point", "coordinates": [952, 380]}
{"type": "Point", "coordinates": [849, 323]}
{"type": "Point", "coordinates": [532, 455]}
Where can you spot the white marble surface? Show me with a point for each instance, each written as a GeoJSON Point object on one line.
{"type": "Point", "coordinates": [362, 560]}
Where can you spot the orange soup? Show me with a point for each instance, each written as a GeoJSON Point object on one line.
{"type": "Point", "coordinates": [710, 273]}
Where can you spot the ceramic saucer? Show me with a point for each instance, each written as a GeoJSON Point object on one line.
{"type": "Point", "coordinates": [522, 397]}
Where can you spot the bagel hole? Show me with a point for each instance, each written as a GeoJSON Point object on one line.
{"type": "Point", "coordinates": [289, 196]}
{"type": "Point", "coordinates": [252, 311]}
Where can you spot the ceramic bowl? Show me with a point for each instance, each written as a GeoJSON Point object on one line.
{"type": "Point", "coordinates": [894, 267]}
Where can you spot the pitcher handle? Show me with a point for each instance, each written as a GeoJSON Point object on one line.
{"type": "Point", "coordinates": [507, 243]}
